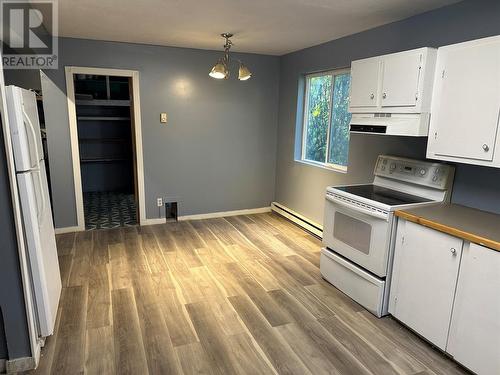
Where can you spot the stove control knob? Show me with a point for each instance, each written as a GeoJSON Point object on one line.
{"type": "Point", "coordinates": [435, 178]}
{"type": "Point", "coordinates": [423, 171]}
{"type": "Point", "coordinates": [393, 166]}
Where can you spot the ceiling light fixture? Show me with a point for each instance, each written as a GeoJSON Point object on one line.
{"type": "Point", "coordinates": [221, 68]}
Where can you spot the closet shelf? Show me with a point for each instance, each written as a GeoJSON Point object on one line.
{"type": "Point", "coordinates": [103, 160]}
{"type": "Point", "coordinates": [103, 118]}
{"type": "Point", "coordinates": [104, 140]}
{"type": "Point", "coordinates": [104, 103]}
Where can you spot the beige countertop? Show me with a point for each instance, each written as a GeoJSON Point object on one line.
{"type": "Point", "coordinates": [470, 224]}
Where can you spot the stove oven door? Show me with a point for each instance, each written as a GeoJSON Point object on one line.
{"type": "Point", "coordinates": [358, 232]}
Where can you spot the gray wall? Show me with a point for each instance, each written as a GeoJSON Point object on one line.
{"type": "Point", "coordinates": [29, 79]}
{"type": "Point", "coordinates": [218, 150]}
{"type": "Point", "coordinates": [301, 187]}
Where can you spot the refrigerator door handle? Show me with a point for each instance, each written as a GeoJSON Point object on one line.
{"type": "Point", "coordinates": [37, 163]}
{"type": "Point", "coordinates": [33, 134]}
{"type": "Point", "coordinates": [42, 194]}
{"type": "Point", "coordinates": [36, 195]}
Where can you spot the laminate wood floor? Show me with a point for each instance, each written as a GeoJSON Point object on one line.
{"type": "Point", "coordinates": [236, 295]}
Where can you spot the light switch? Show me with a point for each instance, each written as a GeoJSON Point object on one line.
{"type": "Point", "coordinates": [163, 117]}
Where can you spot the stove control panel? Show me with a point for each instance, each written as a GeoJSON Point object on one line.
{"type": "Point", "coordinates": [436, 175]}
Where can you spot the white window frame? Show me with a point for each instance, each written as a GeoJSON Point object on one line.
{"type": "Point", "coordinates": [325, 164]}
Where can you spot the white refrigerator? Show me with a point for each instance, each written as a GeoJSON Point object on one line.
{"type": "Point", "coordinates": [35, 205]}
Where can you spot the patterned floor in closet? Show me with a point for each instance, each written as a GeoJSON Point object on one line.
{"type": "Point", "coordinates": [107, 210]}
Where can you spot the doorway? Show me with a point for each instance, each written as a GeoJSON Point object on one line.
{"type": "Point", "coordinates": [106, 147]}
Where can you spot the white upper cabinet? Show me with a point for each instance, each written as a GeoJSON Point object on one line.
{"type": "Point", "coordinates": [466, 104]}
{"type": "Point", "coordinates": [401, 68]}
{"type": "Point", "coordinates": [396, 83]}
{"type": "Point", "coordinates": [365, 83]}
{"type": "Point", "coordinates": [474, 339]}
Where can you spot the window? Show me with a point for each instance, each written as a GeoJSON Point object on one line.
{"type": "Point", "coordinates": [326, 119]}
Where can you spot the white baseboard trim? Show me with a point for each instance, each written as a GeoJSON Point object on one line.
{"type": "Point", "coordinates": [210, 215]}
{"type": "Point", "coordinates": [68, 229]}
{"type": "Point", "coordinates": [20, 364]}
{"type": "Point", "coordinates": [160, 220]}
{"type": "Point", "coordinates": [300, 220]}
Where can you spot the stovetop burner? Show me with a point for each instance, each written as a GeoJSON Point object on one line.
{"type": "Point", "coordinates": [383, 195]}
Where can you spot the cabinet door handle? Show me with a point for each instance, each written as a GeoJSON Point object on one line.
{"type": "Point", "coordinates": [384, 95]}
{"type": "Point", "coordinates": [453, 251]}
{"type": "Point", "coordinates": [486, 148]}
{"type": "Point", "coordinates": [372, 96]}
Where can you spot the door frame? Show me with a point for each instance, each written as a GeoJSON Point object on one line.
{"type": "Point", "coordinates": [70, 71]}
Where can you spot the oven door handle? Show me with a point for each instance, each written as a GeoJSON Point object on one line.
{"type": "Point", "coordinates": [376, 214]}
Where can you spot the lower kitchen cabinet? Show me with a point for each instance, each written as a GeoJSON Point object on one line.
{"type": "Point", "coordinates": [474, 337]}
{"type": "Point", "coordinates": [448, 290]}
{"type": "Point", "coordinates": [424, 277]}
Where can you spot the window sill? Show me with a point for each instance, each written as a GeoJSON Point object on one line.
{"type": "Point", "coordinates": [329, 167]}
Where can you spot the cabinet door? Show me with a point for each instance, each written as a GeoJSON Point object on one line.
{"type": "Point", "coordinates": [475, 326]}
{"type": "Point", "coordinates": [401, 74]}
{"type": "Point", "coordinates": [466, 100]}
{"type": "Point", "coordinates": [424, 278]}
{"type": "Point", "coordinates": [364, 83]}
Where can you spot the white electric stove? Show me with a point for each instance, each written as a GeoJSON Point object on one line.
{"type": "Point", "coordinates": [359, 227]}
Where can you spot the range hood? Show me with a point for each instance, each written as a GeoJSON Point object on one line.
{"type": "Point", "coordinates": [404, 124]}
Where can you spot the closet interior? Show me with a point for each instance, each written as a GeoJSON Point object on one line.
{"type": "Point", "coordinates": [106, 145]}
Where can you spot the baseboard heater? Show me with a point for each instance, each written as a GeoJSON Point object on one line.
{"type": "Point", "coordinates": [301, 221]}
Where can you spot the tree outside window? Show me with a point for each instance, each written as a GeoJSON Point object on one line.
{"type": "Point", "coordinates": [326, 119]}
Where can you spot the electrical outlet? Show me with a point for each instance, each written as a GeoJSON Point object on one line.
{"type": "Point", "coordinates": [163, 117]}
{"type": "Point", "coordinates": [159, 202]}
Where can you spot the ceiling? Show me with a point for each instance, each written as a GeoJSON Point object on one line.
{"type": "Point", "coordinates": [273, 27]}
